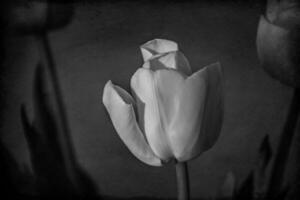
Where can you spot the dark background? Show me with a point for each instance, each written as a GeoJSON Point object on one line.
{"type": "Point", "coordinates": [102, 43]}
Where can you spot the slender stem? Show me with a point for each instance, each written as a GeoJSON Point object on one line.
{"type": "Point", "coordinates": [284, 146]}
{"type": "Point", "coordinates": [182, 181]}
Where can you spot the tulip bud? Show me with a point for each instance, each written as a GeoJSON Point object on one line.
{"type": "Point", "coordinates": [172, 114]}
{"type": "Point", "coordinates": [278, 41]}
{"type": "Point", "coordinates": [35, 16]}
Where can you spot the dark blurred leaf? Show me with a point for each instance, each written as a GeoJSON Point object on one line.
{"type": "Point", "coordinates": [246, 190]}
{"type": "Point", "coordinates": [282, 194]}
{"type": "Point", "coordinates": [264, 156]}
{"type": "Point", "coordinates": [14, 180]}
{"type": "Point", "coordinates": [56, 169]}
{"type": "Point", "coordinates": [285, 143]}
{"type": "Point", "coordinates": [227, 190]}
{"type": "Point", "coordinates": [265, 152]}
{"type": "Point", "coordinates": [294, 191]}
{"type": "Point", "coordinates": [45, 121]}
{"type": "Point", "coordinates": [30, 134]}
{"type": "Point", "coordinates": [7, 163]}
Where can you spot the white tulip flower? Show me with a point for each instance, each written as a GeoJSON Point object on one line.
{"type": "Point", "coordinates": [172, 114]}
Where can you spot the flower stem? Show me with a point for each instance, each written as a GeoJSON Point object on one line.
{"type": "Point", "coordinates": [182, 181]}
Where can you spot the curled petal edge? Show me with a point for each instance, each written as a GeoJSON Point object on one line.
{"type": "Point", "coordinates": [171, 60]}
{"type": "Point", "coordinates": [157, 46]}
{"type": "Point", "coordinates": [119, 105]}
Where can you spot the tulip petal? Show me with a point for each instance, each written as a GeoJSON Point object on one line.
{"type": "Point", "coordinates": [214, 107]}
{"type": "Point", "coordinates": [157, 46]}
{"type": "Point", "coordinates": [144, 86]}
{"type": "Point", "coordinates": [191, 109]}
{"type": "Point", "coordinates": [181, 101]}
{"type": "Point", "coordinates": [285, 14]}
{"type": "Point", "coordinates": [213, 112]}
{"type": "Point", "coordinates": [278, 51]}
{"type": "Point", "coordinates": [173, 60]}
{"type": "Point", "coordinates": [119, 105]}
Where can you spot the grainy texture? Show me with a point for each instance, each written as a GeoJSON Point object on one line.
{"type": "Point", "coordinates": [102, 43]}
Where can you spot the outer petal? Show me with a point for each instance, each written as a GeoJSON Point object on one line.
{"type": "Point", "coordinates": [214, 107]}
{"type": "Point", "coordinates": [213, 112]}
{"type": "Point", "coordinates": [191, 109]}
{"type": "Point", "coordinates": [144, 86]}
{"type": "Point", "coordinates": [119, 106]}
{"type": "Point", "coordinates": [157, 46]}
{"type": "Point", "coordinates": [173, 60]}
{"type": "Point", "coordinates": [182, 102]}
